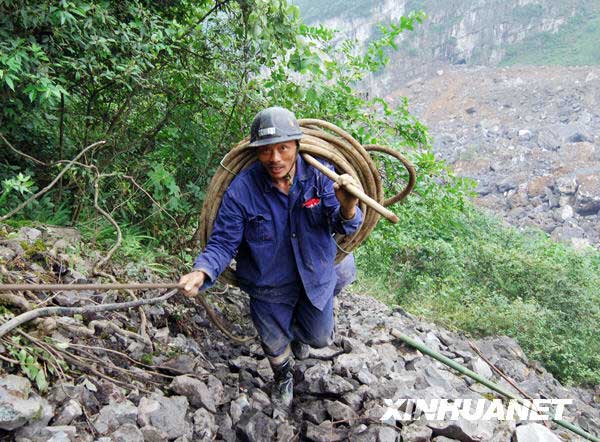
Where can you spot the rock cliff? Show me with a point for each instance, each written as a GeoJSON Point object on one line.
{"type": "Point", "coordinates": [455, 32]}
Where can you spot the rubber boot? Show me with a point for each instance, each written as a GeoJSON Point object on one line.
{"type": "Point", "coordinates": [282, 392]}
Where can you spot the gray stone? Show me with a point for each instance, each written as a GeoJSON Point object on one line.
{"type": "Point", "coordinates": [244, 362]}
{"type": "Point", "coordinates": [18, 406]}
{"type": "Point", "coordinates": [114, 415]}
{"type": "Point", "coordinates": [416, 432]}
{"type": "Point", "coordinates": [68, 298]}
{"type": "Point", "coordinates": [364, 376]}
{"type": "Point", "coordinates": [260, 400]}
{"type": "Point", "coordinates": [153, 434]}
{"type": "Point", "coordinates": [68, 412]}
{"type": "Point", "coordinates": [325, 432]}
{"type": "Point", "coordinates": [432, 377]}
{"type": "Point", "coordinates": [339, 411]}
{"type": "Point", "coordinates": [314, 374]}
{"type": "Point", "coordinates": [16, 386]}
{"type": "Point", "coordinates": [386, 434]}
{"type": "Point", "coordinates": [587, 198]}
{"type": "Point", "coordinates": [314, 411]}
{"type": "Point", "coordinates": [336, 385]}
{"type": "Point", "coordinates": [534, 432]}
{"type": "Point", "coordinates": [127, 433]}
{"type": "Point", "coordinates": [525, 135]}
{"type": "Point", "coordinates": [67, 235]}
{"type": "Point", "coordinates": [215, 387]}
{"type": "Point", "coordinates": [225, 431]}
{"type": "Point", "coordinates": [463, 430]}
{"type": "Point", "coordinates": [195, 390]}
{"type": "Point", "coordinates": [504, 431]}
{"type": "Point", "coordinates": [166, 413]}
{"type": "Point", "coordinates": [255, 426]}
{"type": "Point", "coordinates": [237, 408]}
{"type": "Point", "coordinates": [205, 427]}
{"type": "Point", "coordinates": [349, 363]}
{"type": "Point", "coordinates": [63, 433]}
{"type": "Point", "coordinates": [6, 254]}
{"type": "Point", "coordinates": [264, 370]}
{"type": "Point", "coordinates": [285, 432]}
{"type": "Point", "coordinates": [29, 234]}
{"type": "Point", "coordinates": [566, 185]}
{"type": "Point", "coordinates": [480, 367]}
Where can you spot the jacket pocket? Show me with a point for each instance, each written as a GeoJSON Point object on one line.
{"type": "Point", "coordinates": [312, 206]}
{"type": "Point", "coordinates": [259, 229]}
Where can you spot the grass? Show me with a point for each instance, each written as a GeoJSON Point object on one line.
{"type": "Point", "coordinates": [484, 278]}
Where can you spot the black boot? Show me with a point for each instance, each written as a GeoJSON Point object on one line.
{"type": "Point", "coordinates": [282, 392]}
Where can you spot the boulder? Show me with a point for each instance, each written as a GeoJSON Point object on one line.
{"type": "Point", "coordinates": [416, 432]}
{"type": "Point", "coordinates": [166, 413]}
{"type": "Point", "coordinates": [255, 426]}
{"type": "Point", "coordinates": [325, 432]}
{"type": "Point", "coordinates": [127, 433]}
{"type": "Point", "coordinates": [534, 432]}
{"type": "Point", "coordinates": [195, 391]}
{"type": "Point", "coordinates": [205, 426]}
{"type": "Point", "coordinates": [587, 198]}
{"type": "Point", "coordinates": [153, 434]}
{"type": "Point", "coordinates": [115, 415]}
{"type": "Point", "coordinates": [69, 411]}
{"type": "Point", "coordinates": [19, 406]}
{"type": "Point", "coordinates": [566, 185]}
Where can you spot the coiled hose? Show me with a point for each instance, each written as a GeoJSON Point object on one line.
{"type": "Point", "coordinates": [327, 141]}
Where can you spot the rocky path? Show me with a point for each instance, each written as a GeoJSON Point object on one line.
{"type": "Point", "coordinates": [195, 385]}
{"type": "Point", "coordinates": [529, 136]}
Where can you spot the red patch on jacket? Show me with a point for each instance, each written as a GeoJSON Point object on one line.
{"type": "Point", "coordinates": [311, 203]}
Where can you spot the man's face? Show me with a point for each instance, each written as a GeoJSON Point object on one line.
{"type": "Point", "coordinates": [278, 158]}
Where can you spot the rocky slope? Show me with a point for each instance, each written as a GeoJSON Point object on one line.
{"type": "Point", "coordinates": [191, 383]}
{"type": "Point", "coordinates": [529, 136]}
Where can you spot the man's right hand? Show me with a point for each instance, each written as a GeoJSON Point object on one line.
{"type": "Point", "coordinates": [192, 282]}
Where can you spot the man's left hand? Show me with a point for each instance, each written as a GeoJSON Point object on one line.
{"type": "Point", "coordinates": [347, 200]}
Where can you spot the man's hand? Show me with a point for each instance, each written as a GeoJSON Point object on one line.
{"type": "Point", "coordinates": [347, 201]}
{"type": "Point", "coordinates": [192, 282]}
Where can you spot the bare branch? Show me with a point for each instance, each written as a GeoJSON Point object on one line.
{"type": "Point", "coordinates": [54, 181]}
{"type": "Point", "coordinates": [111, 220]}
{"type": "Point", "coordinates": [70, 311]}
{"type": "Point", "coordinates": [130, 178]}
{"type": "Point", "coordinates": [14, 149]}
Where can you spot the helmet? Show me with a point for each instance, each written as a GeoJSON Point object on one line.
{"type": "Point", "coordinates": [274, 125]}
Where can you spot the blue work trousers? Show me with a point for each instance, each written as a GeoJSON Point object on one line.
{"type": "Point", "coordinates": [278, 324]}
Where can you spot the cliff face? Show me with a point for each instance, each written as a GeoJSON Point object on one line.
{"type": "Point", "coordinates": [455, 32]}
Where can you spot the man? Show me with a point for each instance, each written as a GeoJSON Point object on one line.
{"type": "Point", "coordinates": [279, 215]}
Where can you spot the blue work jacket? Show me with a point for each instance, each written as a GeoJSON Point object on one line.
{"type": "Point", "coordinates": [281, 243]}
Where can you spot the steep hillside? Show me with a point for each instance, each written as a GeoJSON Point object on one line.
{"type": "Point", "coordinates": [184, 381]}
{"type": "Point", "coordinates": [529, 136]}
{"type": "Point", "coordinates": [482, 32]}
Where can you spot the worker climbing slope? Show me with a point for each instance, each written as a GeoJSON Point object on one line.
{"type": "Point", "coordinates": [277, 219]}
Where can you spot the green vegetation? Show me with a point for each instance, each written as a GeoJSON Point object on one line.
{"type": "Point", "coordinates": [171, 86]}
{"type": "Point", "coordinates": [464, 269]}
{"type": "Point", "coordinates": [575, 44]}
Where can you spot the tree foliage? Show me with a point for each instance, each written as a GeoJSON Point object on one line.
{"type": "Point", "coordinates": [171, 86]}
